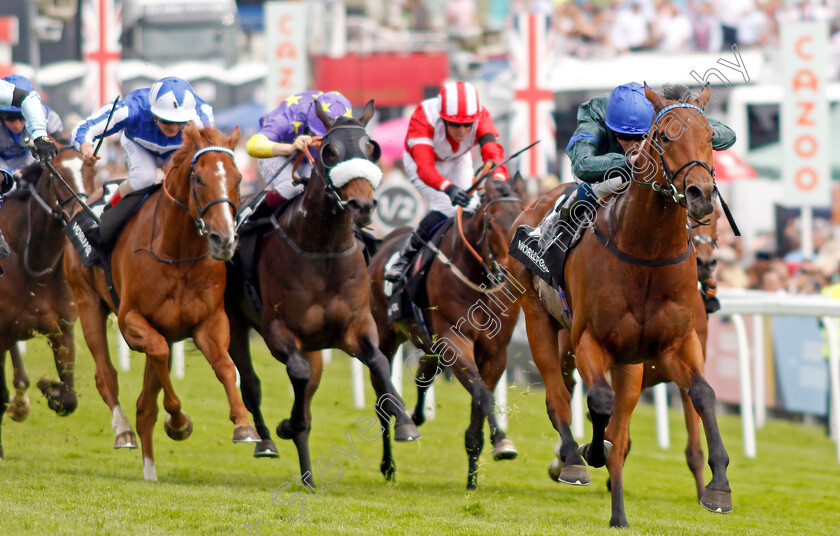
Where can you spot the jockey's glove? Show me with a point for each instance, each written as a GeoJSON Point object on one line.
{"type": "Point", "coordinates": [457, 195]}
{"type": "Point", "coordinates": [44, 149]}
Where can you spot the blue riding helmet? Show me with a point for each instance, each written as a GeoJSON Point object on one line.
{"type": "Point", "coordinates": [20, 82]}
{"type": "Point", "coordinates": [335, 104]}
{"type": "Point", "coordinates": [628, 110]}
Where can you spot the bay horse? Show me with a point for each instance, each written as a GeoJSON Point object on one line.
{"type": "Point", "coordinates": [313, 290]}
{"type": "Point", "coordinates": [36, 299]}
{"type": "Point", "coordinates": [471, 316]}
{"type": "Point", "coordinates": [631, 287]}
{"type": "Point", "coordinates": [178, 239]}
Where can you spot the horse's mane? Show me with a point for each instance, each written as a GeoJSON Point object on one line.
{"type": "Point", "coordinates": [191, 137]}
{"type": "Point", "coordinates": [31, 173]}
{"type": "Point", "coordinates": [677, 92]}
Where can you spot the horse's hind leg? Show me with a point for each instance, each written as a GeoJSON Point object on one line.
{"type": "Point", "coordinates": [284, 348]}
{"type": "Point", "coordinates": [212, 337]}
{"type": "Point", "coordinates": [92, 315]}
{"type": "Point", "coordinates": [61, 396]}
{"type": "Point", "coordinates": [147, 411]}
{"type": "Point", "coordinates": [424, 377]}
{"type": "Point", "coordinates": [693, 448]}
{"type": "Point", "coordinates": [249, 385]}
{"type": "Point", "coordinates": [686, 369]}
{"type": "Point", "coordinates": [627, 383]}
{"type": "Point", "coordinates": [4, 397]}
{"type": "Point", "coordinates": [555, 366]}
{"type": "Point", "coordinates": [387, 466]}
{"type": "Point", "coordinates": [302, 439]}
{"type": "Point", "coordinates": [19, 405]}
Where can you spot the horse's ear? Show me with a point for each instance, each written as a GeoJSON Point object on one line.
{"type": "Point", "coordinates": [234, 137]}
{"type": "Point", "coordinates": [322, 115]}
{"type": "Point", "coordinates": [651, 95]}
{"type": "Point", "coordinates": [517, 183]}
{"type": "Point", "coordinates": [367, 113]}
{"type": "Point", "coordinates": [705, 95]}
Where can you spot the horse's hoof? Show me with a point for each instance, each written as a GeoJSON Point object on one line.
{"type": "Point", "coordinates": [178, 435]}
{"type": "Point", "coordinates": [575, 475]}
{"type": "Point", "coordinates": [59, 398]}
{"type": "Point", "coordinates": [244, 434]}
{"type": "Point", "coordinates": [406, 432]}
{"type": "Point", "coordinates": [504, 450]}
{"type": "Point", "coordinates": [585, 451]}
{"type": "Point", "coordinates": [125, 440]}
{"type": "Point", "coordinates": [717, 501]}
{"type": "Point", "coordinates": [18, 407]}
{"type": "Point", "coordinates": [389, 470]}
{"type": "Point", "coordinates": [472, 482]}
{"type": "Point", "coordinates": [266, 449]}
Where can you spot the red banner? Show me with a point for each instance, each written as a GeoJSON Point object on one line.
{"type": "Point", "coordinates": [389, 78]}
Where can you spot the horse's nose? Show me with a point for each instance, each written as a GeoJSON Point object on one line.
{"type": "Point", "coordinates": [222, 246]}
{"type": "Point", "coordinates": [699, 203]}
{"type": "Point", "coordinates": [362, 210]}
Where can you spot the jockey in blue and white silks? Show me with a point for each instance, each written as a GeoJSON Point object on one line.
{"type": "Point", "coordinates": [15, 154]}
{"type": "Point", "coordinates": [32, 110]}
{"type": "Point", "coordinates": [151, 121]}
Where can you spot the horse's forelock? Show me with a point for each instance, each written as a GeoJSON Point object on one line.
{"type": "Point", "coordinates": [677, 92]}
{"type": "Point", "coordinates": [31, 173]}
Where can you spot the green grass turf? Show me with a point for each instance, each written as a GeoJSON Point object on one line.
{"type": "Point", "coordinates": [61, 476]}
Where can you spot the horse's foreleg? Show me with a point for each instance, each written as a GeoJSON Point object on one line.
{"type": "Point", "coordinates": [424, 377]}
{"type": "Point", "coordinates": [4, 397]}
{"type": "Point", "coordinates": [693, 448]}
{"type": "Point", "coordinates": [387, 466]}
{"type": "Point", "coordinates": [142, 337]}
{"type": "Point", "coordinates": [249, 385]}
{"type": "Point", "coordinates": [301, 440]}
{"type": "Point", "coordinates": [474, 442]}
{"type": "Point", "coordinates": [627, 384]}
{"type": "Point", "coordinates": [362, 341]}
{"type": "Point", "coordinates": [686, 369]}
{"type": "Point", "coordinates": [19, 404]}
{"type": "Point", "coordinates": [491, 367]}
{"type": "Point", "coordinates": [590, 361]}
{"type": "Point", "coordinates": [283, 346]}
{"type": "Point", "coordinates": [549, 358]}
{"type": "Point", "coordinates": [147, 411]}
{"type": "Point", "coordinates": [212, 337]}
{"type": "Point", "coordinates": [92, 316]}
{"type": "Point", "coordinates": [61, 396]}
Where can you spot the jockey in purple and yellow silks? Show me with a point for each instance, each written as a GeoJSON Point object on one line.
{"type": "Point", "coordinates": [289, 128]}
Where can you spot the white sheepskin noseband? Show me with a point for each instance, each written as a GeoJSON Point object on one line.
{"type": "Point", "coordinates": [356, 168]}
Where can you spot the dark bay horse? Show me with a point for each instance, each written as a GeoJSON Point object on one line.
{"type": "Point", "coordinates": [36, 299]}
{"type": "Point", "coordinates": [169, 274]}
{"type": "Point", "coordinates": [632, 290]}
{"type": "Point", "coordinates": [313, 286]}
{"type": "Point", "coordinates": [471, 316]}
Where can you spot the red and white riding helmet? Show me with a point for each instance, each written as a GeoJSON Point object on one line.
{"type": "Point", "coordinates": [459, 102]}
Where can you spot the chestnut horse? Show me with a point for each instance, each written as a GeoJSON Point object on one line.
{"type": "Point", "coordinates": [632, 289]}
{"type": "Point", "coordinates": [169, 275]}
{"type": "Point", "coordinates": [313, 288]}
{"type": "Point", "coordinates": [36, 299]}
{"type": "Point", "coordinates": [471, 316]}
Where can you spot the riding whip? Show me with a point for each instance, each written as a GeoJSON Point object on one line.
{"type": "Point", "coordinates": [243, 213]}
{"type": "Point", "coordinates": [107, 124]}
{"type": "Point", "coordinates": [497, 166]}
{"type": "Point", "coordinates": [70, 189]}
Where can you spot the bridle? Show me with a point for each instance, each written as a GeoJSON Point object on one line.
{"type": "Point", "coordinates": [332, 191]}
{"type": "Point", "coordinates": [200, 211]}
{"type": "Point", "coordinates": [671, 191]}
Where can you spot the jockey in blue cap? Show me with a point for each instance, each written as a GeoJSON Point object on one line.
{"type": "Point", "coordinates": [27, 102]}
{"type": "Point", "coordinates": [151, 121]}
{"type": "Point", "coordinates": [609, 127]}
{"type": "Point", "coordinates": [287, 129]}
{"type": "Point", "coordinates": [15, 154]}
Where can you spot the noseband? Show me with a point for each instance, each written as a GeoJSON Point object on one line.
{"type": "Point", "coordinates": [670, 176]}
{"type": "Point", "coordinates": [199, 220]}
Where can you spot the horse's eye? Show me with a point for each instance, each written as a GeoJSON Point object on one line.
{"type": "Point", "coordinates": [330, 155]}
{"type": "Point", "coordinates": [664, 137]}
{"type": "Point", "coordinates": [197, 179]}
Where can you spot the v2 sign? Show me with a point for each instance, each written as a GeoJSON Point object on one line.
{"type": "Point", "coordinates": [398, 205]}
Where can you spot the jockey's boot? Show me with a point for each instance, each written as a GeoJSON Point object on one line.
{"type": "Point", "coordinates": [5, 250]}
{"type": "Point", "coordinates": [395, 271]}
{"type": "Point", "coordinates": [123, 190]}
{"type": "Point", "coordinates": [552, 223]}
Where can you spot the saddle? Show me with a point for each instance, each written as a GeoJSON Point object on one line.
{"type": "Point", "coordinates": [408, 297]}
{"type": "Point", "coordinates": [543, 250]}
{"type": "Point", "coordinates": [95, 242]}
